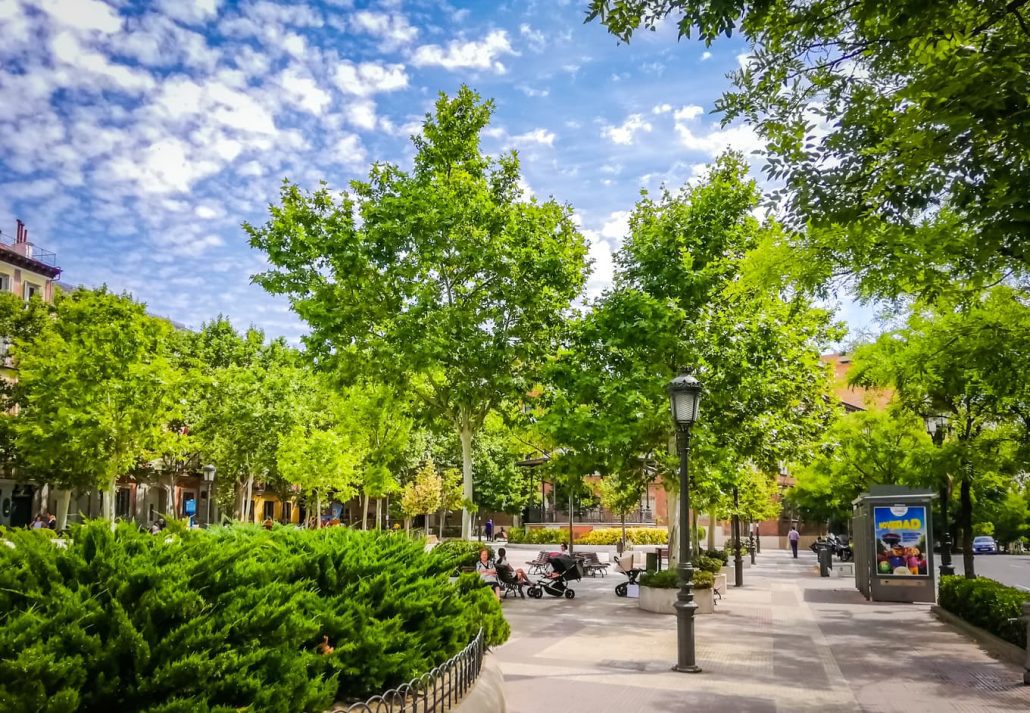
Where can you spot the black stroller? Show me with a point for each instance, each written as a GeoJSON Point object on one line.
{"type": "Point", "coordinates": [563, 571]}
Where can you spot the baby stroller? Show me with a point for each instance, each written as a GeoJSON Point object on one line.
{"type": "Point", "coordinates": [563, 571]}
{"type": "Point", "coordinates": [625, 565]}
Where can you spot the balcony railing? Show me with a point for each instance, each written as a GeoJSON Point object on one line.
{"type": "Point", "coordinates": [29, 250]}
{"type": "Point", "coordinates": [588, 516]}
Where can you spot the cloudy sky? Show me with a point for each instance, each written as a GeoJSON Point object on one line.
{"type": "Point", "coordinates": [136, 136]}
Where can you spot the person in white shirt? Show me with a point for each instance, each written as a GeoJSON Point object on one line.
{"type": "Point", "coordinates": [486, 571]}
{"type": "Point", "coordinates": [793, 536]}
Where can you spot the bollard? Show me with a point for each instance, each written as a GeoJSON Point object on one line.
{"type": "Point", "coordinates": [825, 557]}
{"type": "Point", "coordinates": [1026, 662]}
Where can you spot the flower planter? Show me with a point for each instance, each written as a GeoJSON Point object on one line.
{"type": "Point", "coordinates": [705, 599]}
{"type": "Point", "coordinates": [662, 601]}
{"type": "Point", "coordinates": [659, 601]}
{"type": "Point", "coordinates": [720, 584]}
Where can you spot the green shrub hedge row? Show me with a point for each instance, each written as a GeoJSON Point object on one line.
{"type": "Point", "coordinates": [538, 536]}
{"type": "Point", "coordinates": [669, 579]}
{"type": "Point", "coordinates": [225, 620]}
{"type": "Point", "coordinates": [988, 604]}
{"type": "Point", "coordinates": [636, 535]}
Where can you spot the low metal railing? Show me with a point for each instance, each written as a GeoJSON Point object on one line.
{"type": "Point", "coordinates": [434, 692]}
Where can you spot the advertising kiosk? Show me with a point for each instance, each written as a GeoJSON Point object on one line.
{"type": "Point", "coordinates": [893, 544]}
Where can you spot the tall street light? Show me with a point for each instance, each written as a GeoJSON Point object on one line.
{"type": "Point", "coordinates": [684, 398]}
{"type": "Point", "coordinates": [209, 478]}
{"type": "Point", "coordinates": [937, 427]}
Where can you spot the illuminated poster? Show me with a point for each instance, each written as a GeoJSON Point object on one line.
{"type": "Point", "coordinates": [900, 532]}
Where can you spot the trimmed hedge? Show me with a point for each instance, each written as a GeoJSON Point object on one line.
{"type": "Point", "coordinates": [225, 620]}
{"type": "Point", "coordinates": [538, 536]}
{"type": "Point", "coordinates": [669, 579]}
{"type": "Point", "coordinates": [636, 535]}
{"type": "Point", "coordinates": [987, 604]}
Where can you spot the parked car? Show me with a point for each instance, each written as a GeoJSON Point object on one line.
{"type": "Point", "coordinates": [985, 545]}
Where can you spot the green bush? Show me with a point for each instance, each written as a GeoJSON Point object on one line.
{"type": "Point", "coordinates": [636, 535]}
{"type": "Point", "coordinates": [721, 555]}
{"type": "Point", "coordinates": [709, 564]}
{"type": "Point", "coordinates": [453, 554]}
{"type": "Point", "coordinates": [703, 580]}
{"type": "Point", "coordinates": [225, 619]}
{"type": "Point", "coordinates": [666, 579]}
{"type": "Point", "coordinates": [988, 604]}
{"type": "Point", "coordinates": [537, 536]}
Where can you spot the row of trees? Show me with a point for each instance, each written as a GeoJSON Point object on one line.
{"type": "Point", "coordinates": [102, 390]}
{"type": "Point", "coordinates": [893, 131]}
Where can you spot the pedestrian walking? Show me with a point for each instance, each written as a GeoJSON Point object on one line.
{"type": "Point", "coordinates": [794, 536]}
{"type": "Point", "coordinates": [489, 527]}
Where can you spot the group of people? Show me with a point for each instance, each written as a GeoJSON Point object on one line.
{"type": "Point", "coordinates": [44, 521]}
{"type": "Point", "coordinates": [487, 570]}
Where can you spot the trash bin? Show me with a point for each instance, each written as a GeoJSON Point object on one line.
{"type": "Point", "coordinates": [825, 555]}
{"type": "Point", "coordinates": [651, 561]}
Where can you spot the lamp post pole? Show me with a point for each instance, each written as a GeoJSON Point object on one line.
{"type": "Point", "coordinates": [684, 395]}
{"type": "Point", "coordinates": [209, 476]}
{"type": "Point", "coordinates": [936, 426]}
{"type": "Point", "coordinates": [738, 562]}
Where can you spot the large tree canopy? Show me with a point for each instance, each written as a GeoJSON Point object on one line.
{"type": "Point", "coordinates": [445, 279]}
{"type": "Point", "coordinates": [897, 128]}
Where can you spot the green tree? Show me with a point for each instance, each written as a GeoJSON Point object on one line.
{"type": "Point", "coordinates": [98, 392]}
{"type": "Point", "coordinates": [319, 461]}
{"type": "Point", "coordinates": [422, 495]}
{"type": "Point", "coordinates": [894, 129]}
{"type": "Point", "coordinates": [445, 280]}
{"type": "Point", "coordinates": [956, 359]}
{"type": "Point", "coordinates": [861, 449]}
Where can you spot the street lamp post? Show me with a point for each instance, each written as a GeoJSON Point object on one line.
{"type": "Point", "coordinates": [937, 427]}
{"type": "Point", "coordinates": [684, 398]}
{"type": "Point", "coordinates": [209, 478]}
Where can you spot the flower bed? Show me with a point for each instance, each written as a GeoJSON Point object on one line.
{"type": "Point", "coordinates": [228, 619]}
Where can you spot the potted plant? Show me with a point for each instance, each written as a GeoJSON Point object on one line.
{"type": "Point", "coordinates": [658, 591]}
{"type": "Point", "coordinates": [714, 566]}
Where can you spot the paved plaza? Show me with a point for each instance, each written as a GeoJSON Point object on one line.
{"type": "Point", "coordinates": [787, 641]}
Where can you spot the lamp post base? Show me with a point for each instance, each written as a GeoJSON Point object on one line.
{"type": "Point", "coordinates": [947, 570]}
{"type": "Point", "coordinates": [687, 669]}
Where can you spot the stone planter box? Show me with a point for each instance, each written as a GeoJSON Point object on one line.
{"type": "Point", "coordinates": [662, 601]}
{"type": "Point", "coordinates": [720, 584]}
{"type": "Point", "coordinates": [659, 601]}
{"type": "Point", "coordinates": [705, 599]}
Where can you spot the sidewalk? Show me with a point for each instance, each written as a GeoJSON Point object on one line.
{"type": "Point", "coordinates": [787, 641]}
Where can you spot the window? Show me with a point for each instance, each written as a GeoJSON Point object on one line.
{"type": "Point", "coordinates": [5, 282]}
{"type": "Point", "coordinates": [287, 512]}
{"type": "Point", "coordinates": [121, 503]}
{"type": "Point", "coordinates": [30, 290]}
{"type": "Point", "coordinates": [269, 509]}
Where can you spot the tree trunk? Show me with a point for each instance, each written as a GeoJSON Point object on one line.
{"type": "Point", "coordinates": [622, 517]}
{"type": "Point", "coordinates": [318, 510]}
{"type": "Point", "coordinates": [379, 513]}
{"type": "Point", "coordinates": [364, 511]}
{"type": "Point", "coordinates": [465, 432]}
{"type": "Point", "coordinates": [674, 527]}
{"type": "Point", "coordinates": [407, 526]}
{"type": "Point", "coordinates": [711, 529]}
{"type": "Point", "coordinates": [109, 501]}
{"type": "Point", "coordinates": [442, 521]}
{"type": "Point", "coordinates": [250, 499]}
{"type": "Point", "coordinates": [64, 497]}
{"type": "Point", "coordinates": [966, 519]}
{"type": "Point", "coordinates": [694, 539]}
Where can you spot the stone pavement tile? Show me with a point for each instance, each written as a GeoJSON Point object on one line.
{"type": "Point", "coordinates": [786, 641]}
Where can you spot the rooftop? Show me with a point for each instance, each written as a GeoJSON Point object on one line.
{"type": "Point", "coordinates": [16, 249]}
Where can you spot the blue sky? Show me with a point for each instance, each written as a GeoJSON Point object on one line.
{"type": "Point", "coordinates": [136, 137]}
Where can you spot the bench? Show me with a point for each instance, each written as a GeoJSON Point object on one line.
{"type": "Point", "coordinates": [592, 564]}
{"type": "Point", "coordinates": [538, 565]}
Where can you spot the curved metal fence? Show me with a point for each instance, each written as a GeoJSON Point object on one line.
{"type": "Point", "coordinates": [434, 692]}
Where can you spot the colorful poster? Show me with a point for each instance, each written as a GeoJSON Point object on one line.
{"type": "Point", "coordinates": [901, 537]}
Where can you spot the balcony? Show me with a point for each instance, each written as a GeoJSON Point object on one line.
{"type": "Point", "coordinates": [17, 250]}
{"type": "Point", "coordinates": [29, 250]}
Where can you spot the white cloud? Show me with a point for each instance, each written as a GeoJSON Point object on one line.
{"type": "Point", "coordinates": [206, 212]}
{"type": "Point", "coordinates": [393, 28]}
{"type": "Point", "coordinates": [190, 11]}
{"type": "Point", "coordinates": [304, 90]}
{"type": "Point", "coordinates": [713, 140]}
{"type": "Point", "coordinates": [534, 38]}
{"type": "Point", "coordinates": [662, 109]}
{"type": "Point", "coordinates": [531, 92]}
{"type": "Point", "coordinates": [69, 50]}
{"type": "Point", "coordinates": [369, 78]}
{"type": "Point", "coordinates": [466, 54]}
{"type": "Point", "coordinates": [362, 114]}
{"type": "Point", "coordinates": [164, 167]}
{"type": "Point", "coordinates": [616, 227]}
{"type": "Point", "coordinates": [536, 136]}
{"type": "Point", "coordinates": [83, 14]}
{"type": "Point", "coordinates": [602, 268]}
{"type": "Point", "coordinates": [348, 151]}
{"type": "Point", "coordinates": [705, 56]}
{"type": "Point", "coordinates": [627, 131]}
